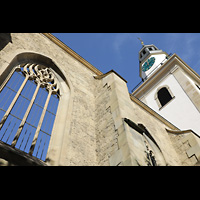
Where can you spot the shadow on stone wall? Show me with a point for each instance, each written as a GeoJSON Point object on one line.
{"type": "Point", "coordinates": [5, 38]}
{"type": "Point", "coordinates": [10, 156]}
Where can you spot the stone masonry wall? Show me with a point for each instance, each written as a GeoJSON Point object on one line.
{"type": "Point", "coordinates": [93, 129]}
{"type": "Point", "coordinates": [118, 102]}
{"type": "Point", "coordinates": [76, 144]}
{"type": "Point", "coordinates": [187, 146]}
{"type": "Point", "coordinates": [106, 135]}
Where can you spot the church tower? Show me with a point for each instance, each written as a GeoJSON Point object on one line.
{"type": "Point", "coordinates": [150, 58]}
{"type": "Point", "coordinates": [170, 87]}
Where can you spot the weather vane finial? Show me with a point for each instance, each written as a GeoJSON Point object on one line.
{"type": "Point", "coordinates": [142, 43]}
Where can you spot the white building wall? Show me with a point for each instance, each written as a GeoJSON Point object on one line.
{"type": "Point", "coordinates": [180, 111]}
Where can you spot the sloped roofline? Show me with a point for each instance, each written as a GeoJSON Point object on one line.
{"type": "Point", "coordinates": [100, 75]}
{"type": "Point", "coordinates": [72, 53]}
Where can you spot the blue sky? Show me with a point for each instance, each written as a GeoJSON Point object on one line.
{"type": "Point", "coordinates": [119, 51]}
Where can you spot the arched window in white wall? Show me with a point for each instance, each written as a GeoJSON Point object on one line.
{"type": "Point", "coordinates": [29, 99]}
{"type": "Point", "coordinates": [163, 96]}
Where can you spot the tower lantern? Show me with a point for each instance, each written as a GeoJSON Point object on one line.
{"type": "Point", "coordinates": [150, 57]}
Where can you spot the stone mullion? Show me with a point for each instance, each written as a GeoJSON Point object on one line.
{"type": "Point", "coordinates": [13, 101]}
{"type": "Point", "coordinates": [40, 123]}
{"type": "Point", "coordinates": [9, 76]}
{"type": "Point", "coordinates": [25, 116]}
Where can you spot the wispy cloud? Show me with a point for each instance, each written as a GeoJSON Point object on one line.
{"type": "Point", "coordinates": [186, 46]}
{"type": "Point", "coordinates": [182, 44]}
{"type": "Point", "coordinates": [121, 39]}
{"type": "Point", "coordinates": [171, 41]}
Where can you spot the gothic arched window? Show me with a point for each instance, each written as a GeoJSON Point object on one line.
{"type": "Point", "coordinates": [164, 96]}
{"type": "Point", "coordinates": [29, 99]}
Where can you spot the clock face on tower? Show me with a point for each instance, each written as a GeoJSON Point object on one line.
{"type": "Point", "coordinates": [148, 64]}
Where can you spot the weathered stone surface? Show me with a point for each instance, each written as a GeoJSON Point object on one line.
{"type": "Point", "coordinates": [89, 127]}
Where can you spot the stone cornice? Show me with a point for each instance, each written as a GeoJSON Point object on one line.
{"type": "Point", "coordinates": [182, 132]}
{"type": "Point", "coordinates": [106, 74]}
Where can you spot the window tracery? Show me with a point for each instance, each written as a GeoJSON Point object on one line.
{"type": "Point", "coordinates": [150, 157]}
{"type": "Point", "coordinates": [28, 104]}
{"type": "Point", "coordinates": [149, 152]}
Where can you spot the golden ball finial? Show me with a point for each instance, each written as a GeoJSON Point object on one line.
{"type": "Point", "coordinates": [142, 43]}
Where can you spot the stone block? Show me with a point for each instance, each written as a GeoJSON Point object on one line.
{"type": "Point", "coordinates": [122, 140]}
{"type": "Point", "coordinates": [121, 129]}
{"type": "Point", "coordinates": [118, 122]}
{"type": "Point", "coordinates": [125, 151]}
{"type": "Point", "coordinates": [193, 150]}
{"type": "Point", "coordinates": [128, 162]}
{"type": "Point", "coordinates": [116, 158]}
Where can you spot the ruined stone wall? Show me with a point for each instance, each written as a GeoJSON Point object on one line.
{"type": "Point", "coordinates": [75, 143]}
